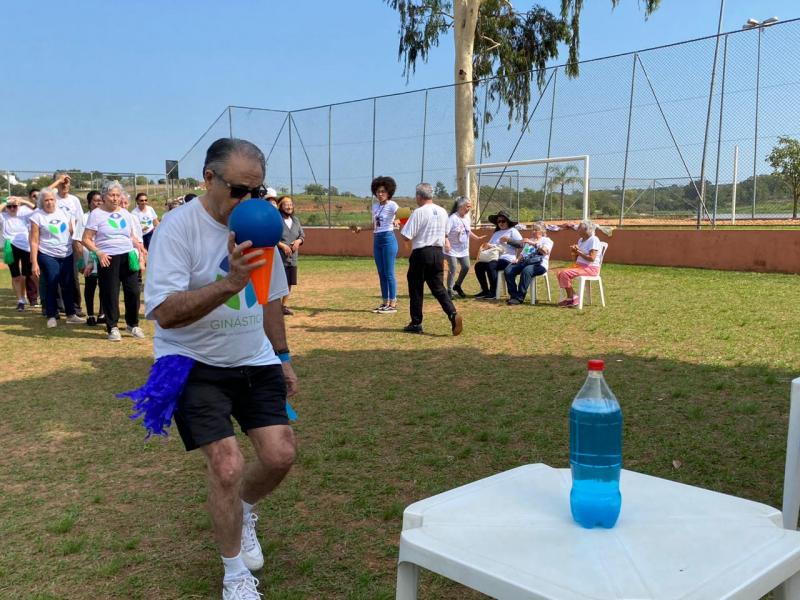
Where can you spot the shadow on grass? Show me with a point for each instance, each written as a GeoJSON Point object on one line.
{"type": "Point", "coordinates": [378, 429]}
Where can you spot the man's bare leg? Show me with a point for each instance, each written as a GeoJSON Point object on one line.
{"type": "Point", "coordinates": [225, 471]}
{"type": "Point", "coordinates": [275, 450]}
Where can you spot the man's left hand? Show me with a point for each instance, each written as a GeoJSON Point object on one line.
{"type": "Point", "coordinates": [291, 379]}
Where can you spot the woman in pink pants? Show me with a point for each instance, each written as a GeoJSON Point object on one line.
{"type": "Point", "coordinates": [587, 262]}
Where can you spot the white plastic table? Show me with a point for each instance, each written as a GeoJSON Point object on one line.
{"type": "Point", "coordinates": [511, 536]}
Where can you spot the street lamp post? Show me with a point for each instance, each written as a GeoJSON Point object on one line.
{"type": "Point", "coordinates": [756, 24]}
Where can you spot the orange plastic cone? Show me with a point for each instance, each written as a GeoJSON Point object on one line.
{"type": "Point", "coordinates": [261, 277]}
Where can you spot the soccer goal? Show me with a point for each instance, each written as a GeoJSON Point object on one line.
{"type": "Point", "coordinates": [543, 187]}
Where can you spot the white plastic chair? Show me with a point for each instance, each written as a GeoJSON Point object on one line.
{"type": "Point", "coordinates": [511, 536]}
{"type": "Point", "coordinates": [586, 280]}
{"type": "Point", "coordinates": [501, 285]}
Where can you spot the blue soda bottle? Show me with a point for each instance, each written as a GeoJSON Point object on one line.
{"type": "Point", "coordinates": [595, 452]}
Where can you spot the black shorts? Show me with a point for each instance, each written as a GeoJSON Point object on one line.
{"type": "Point", "coordinates": [21, 267]}
{"type": "Point", "coordinates": [291, 274]}
{"type": "Point", "coordinates": [255, 396]}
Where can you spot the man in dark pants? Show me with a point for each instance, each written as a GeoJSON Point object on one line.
{"type": "Point", "coordinates": [425, 230]}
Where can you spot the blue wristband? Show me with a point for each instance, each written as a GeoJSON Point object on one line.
{"type": "Point", "coordinates": [284, 356]}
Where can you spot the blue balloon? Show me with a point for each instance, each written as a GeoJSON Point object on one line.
{"type": "Point", "coordinates": [258, 221]}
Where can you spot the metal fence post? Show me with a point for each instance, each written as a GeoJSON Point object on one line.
{"type": "Point", "coordinates": [755, 135]}
{"type": "Point", "coordinates": [424, 134]}
{"type": "Point", "coordinates": [545, 190]}
{"type": "Point", "coordinates": [330, 121]}
{"type": "Point", "coordinates": [627, 144]}
{"type": "Point", "coordinates": [374, 113]}
{"type": "Point", "coordinates": [719, 129]}
{"type": "Point", "coordinates": [654, 198]}
{"type": "Point", "coordinates": [8, 182]}
{"type": "Point", "coordinates": [291, 174]}
{"type": "Point", "coordinates": [230, 123]}
{"type": "Point", "coordinates": [702, 202]}
{"type": "Point", "coordinates": [735, 182]}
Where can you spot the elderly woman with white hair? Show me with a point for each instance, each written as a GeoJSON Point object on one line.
{"type": "Point", "coordinates": [456, 245]}
{"type": "Point", "coordinates": [111, 236]}
{"type": "Point", "coordinates": [587, 262]}
{"type": "Point", "coordinates": [52, 255]}
{"type": "Point", "coordinates": [533, 258]}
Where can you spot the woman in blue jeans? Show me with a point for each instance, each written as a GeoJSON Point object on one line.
{"type": "Point", "coordinates": [51, 255]}
{"type": "Point", "coordinates": [384, 246]}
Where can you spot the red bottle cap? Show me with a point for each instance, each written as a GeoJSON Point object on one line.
{"type": "Point", "coordinates": [596, 364]}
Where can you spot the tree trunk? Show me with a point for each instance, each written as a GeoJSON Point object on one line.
{"type": "Point", "coordinates": [465, 13]}
{"type": "Point", "coordinates": [794, 210]}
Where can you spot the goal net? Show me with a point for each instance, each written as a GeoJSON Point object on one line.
{"type": "Point", "coordinates": [549, 189]}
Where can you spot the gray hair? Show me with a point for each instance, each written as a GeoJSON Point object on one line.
{"type": "Point", "coordinates": [42, 193]}
{"type": "Point", "coordinates": [107, 186]}
{"type": "Point", "coordinates": [588, 226]}
{"type": "Point", "coordinates": [219, 153]}
{"type": "Point", "coordinates": [425, 191]}
{"type": "Point", "coordinates": [539, 226]}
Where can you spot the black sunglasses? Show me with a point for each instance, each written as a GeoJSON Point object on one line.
{"type": "Point", "coordinates": [240, 191]}
{"type": "Point", "coordinates": [12, 205]}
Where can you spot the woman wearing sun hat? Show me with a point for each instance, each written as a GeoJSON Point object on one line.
{"type": "Point", "coordinates": [110, 234]}
{"type": "Point", "coordinates": [51, 255]}
{"type": "Point", "coordinates": [486, 272]}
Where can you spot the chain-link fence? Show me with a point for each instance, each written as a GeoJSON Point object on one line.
{"type": "Point", "coordinates": [661, 127]}
{"type": "Point", "coordinates": [15, 182]}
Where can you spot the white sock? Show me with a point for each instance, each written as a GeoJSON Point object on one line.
{"type": "Point", "coordinates": [234, 567]}
{"type": "Point", "coordinates": [246, 510]}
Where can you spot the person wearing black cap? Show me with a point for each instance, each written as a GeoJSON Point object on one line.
{"type": "Point", "coordinates": [486, 272]}
{"type": "Point", "coordinates": [425, 229]}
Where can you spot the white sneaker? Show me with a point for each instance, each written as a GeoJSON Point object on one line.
{"type": "Point", "coordinates": [245, 588]}
{"type": "Point", "coordinates": [51, 323]}
{"type": "Point", "coordinates": [136, 332]}
{"type": "Point", "coordinates": [114, 335]}
{"type": "Point", "coordinates": [252, 556]}
{"type": "Point", "coordinates": [75, 320]}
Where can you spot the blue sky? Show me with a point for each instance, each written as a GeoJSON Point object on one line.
{"type": "Point", "coordinates": [123, 86]}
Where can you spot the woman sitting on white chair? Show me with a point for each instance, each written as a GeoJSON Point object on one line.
{"type": "Point", "coordinates": [587, 262]}
{"type": "Point", "coordinates": [532, 261]}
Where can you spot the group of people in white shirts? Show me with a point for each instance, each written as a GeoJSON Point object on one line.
{"type": "Point", "coordinates": [49, 240]}
{"type": "Point", "coordinates": [505, 254]}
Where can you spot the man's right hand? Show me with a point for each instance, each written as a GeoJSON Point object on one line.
{"type": "Point", "coordinates": [241, 265]}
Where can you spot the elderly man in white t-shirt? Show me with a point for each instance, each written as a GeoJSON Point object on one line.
{"type": "Point", "coordinates": [72, 207]}
{"type": "Point", "coordinates": [426, 229]}
{"type": "Point", "coordinates": [198, 291]}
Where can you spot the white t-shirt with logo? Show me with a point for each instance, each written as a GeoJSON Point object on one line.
{"type": "Point", "coordinates": [146, 218]}
{"type": "Point", "coordinates": [54, 237]}
{"type": "Point", "coordinates": [426, 226]}
{"type": "Point", "coordinates": [586, 246]}
{"type": "Point", "coordinates": [70, 205]}
{"type": "Point", "coordinates": [189, 250]}
{"type": "Point", "coordinates": [507, 251]}
{"type": "Point", "coordinates": [546, 243]}
{"type": "Point", "coordinates": [113, 230]}
{"type": "Point", "coordinates": [17, 229]}
{"type": "Point", "coordinates": [383, 216]}
{"type": "Point", "coordinates": [458, 229]}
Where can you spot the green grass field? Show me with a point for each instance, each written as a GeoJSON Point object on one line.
{"type": "Point", "coordinates": [701, 362]}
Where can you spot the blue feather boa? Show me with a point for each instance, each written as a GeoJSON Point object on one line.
{"type": "Point", "coordinates": [155, 402]}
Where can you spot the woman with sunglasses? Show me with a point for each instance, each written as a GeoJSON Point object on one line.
{"type": "Point", "coordinates": [486, 272]}
{"type": "Point", "coordinates": [52, 256]}
{"type": "Point", "coordinates": [384, 247]}
{"type": "Point", "coordinates": [16, 232]}
{"type": "Point", "coordinates": [110, 234]}
{"type": "Point", "coordinates": [148, 219]}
